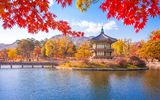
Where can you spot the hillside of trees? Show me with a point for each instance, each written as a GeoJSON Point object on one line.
{"type": "Point", "coordinates": [63, 48]}
{"type": "Point", "coordinates": [59, 47]}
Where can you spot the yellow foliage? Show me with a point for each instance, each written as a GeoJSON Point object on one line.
{"type": "Point", "coordinates": [83, 5]}
{"type": "Point", "coordinates": [12, 54]}
{"type": "Point", "coordinates": [83, 51]}
{"type": "Point", "coordinates": [65, 46]}
{"type": "Point", "coordinates": [59, 47]}
{"type": "Point", "coordinates": [151, 49]}
{"type": "Point", "coordinates": [121, 47]}
{"type": "Point", "coordinates": [50, 47]}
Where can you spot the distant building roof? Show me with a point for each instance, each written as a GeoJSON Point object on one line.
{"type": "Point", "coordinates": [103, 37]}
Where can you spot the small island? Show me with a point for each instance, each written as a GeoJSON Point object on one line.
{"type": "Point", "coordinates": [102, 58]}
{"type": "Point", "coordinates": [118, 64]}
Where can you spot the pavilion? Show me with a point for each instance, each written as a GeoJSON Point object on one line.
{"type": "Point", "coordinates": [101, 46]}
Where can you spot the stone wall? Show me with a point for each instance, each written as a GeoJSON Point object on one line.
{"type": "Point", "coordinates": [154, 65]}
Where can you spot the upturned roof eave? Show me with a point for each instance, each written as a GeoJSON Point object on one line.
{"type": "Point", "coordinates": [102, 37]}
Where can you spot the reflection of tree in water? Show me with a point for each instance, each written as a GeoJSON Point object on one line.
{"type": "Point", "coordinates": [152, 82]}
{"type": "Point", "coordinates": [149, 80]}
{"type": "Point", "coordinates": [99, 82]}
{"type": "Point", "coordinates": [120, 75]}
{"type": "Point", "coordinates": [152, 79]}
{"type": "Point", "coordinates": [102, 86]}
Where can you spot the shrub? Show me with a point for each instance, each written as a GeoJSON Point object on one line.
{"type": "Point", "coordinates": [121, 62]}
{"type": "Point", "coordinates": [136, 61]}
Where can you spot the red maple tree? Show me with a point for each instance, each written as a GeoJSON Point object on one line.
{"type": "Point", "coordinates": [35, 15]}
{"type": "Point", "coordinates": [132, 12]}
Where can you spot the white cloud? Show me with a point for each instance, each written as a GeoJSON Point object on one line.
{"type": "Point", "coordinates": [51, 2]}
{"type": "Point", "coordinates": [11, 35]}
{"type": "Point", "coordinates": [92, 27]}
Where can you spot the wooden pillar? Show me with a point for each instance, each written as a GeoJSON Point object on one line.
{"type": "Point", "coordinates": [96, 45]}
{"type": "Point", "coordinates": [95, 53]}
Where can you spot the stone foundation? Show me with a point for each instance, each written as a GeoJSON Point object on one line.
{"type": "Point", "coordinates": [153, 65]}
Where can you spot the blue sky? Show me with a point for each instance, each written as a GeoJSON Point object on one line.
{"type": "Point", "coordinates": [90, 22]}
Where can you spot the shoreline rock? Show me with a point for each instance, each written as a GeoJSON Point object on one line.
{"type": "Point", "coordinates": [153, 65]}
{"type": "Point", "coordinates": [103, 69]}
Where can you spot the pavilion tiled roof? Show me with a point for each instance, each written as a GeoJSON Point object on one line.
{"type": "Point", "coordinates": [103, 37]}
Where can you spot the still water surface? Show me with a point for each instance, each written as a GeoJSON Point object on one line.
{"type": "Point", "coordinates": [45, 84]}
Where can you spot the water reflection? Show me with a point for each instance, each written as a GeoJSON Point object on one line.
{"type": "Point", "coordinates": [99, 82]}
{"type": "Point", "coordinates": [152, 83]}
{"type": "Point", "coordinates": [123, 85]}
{"type": "Point", "coordinates": [43, 84]}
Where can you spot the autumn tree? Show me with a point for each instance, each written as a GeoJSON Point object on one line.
{"type": "Point", "coordinates": [132, 12]}
{"type": "Point", "coordinates": [84, 51]}
{"type": "Point", "coordinates": [150, 50]}
{"type": "Point", "coordinates": [37, 52]}
{"type": "Point", "coordinates": [121, 47]}
{"type": "Point", "coordinates": [155, 35]}
{"type": "Point", "coordinates": [51, 48]}
{"type": "Point", "coordinates": [4, 54]}
{"type": "Point", "coordinates": [35, 15]}
{"type": "Point", "coordinates": [25, 48]}
{"type": "Point", "coordinates": [83, 5]}
{"type": "Point", "coordinates": [60, 47]}
{"type": "Point", "coordinates": [134, 47]}
{"type": "Point", "coordinates": [43, 51]}
{"type": "Point", "coordinates": [66, 46]}
{"type": "Point", "coordinates": [12, 54]}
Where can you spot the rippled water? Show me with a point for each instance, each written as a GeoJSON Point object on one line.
{"type": "Point", "coordinates": [45, 84]}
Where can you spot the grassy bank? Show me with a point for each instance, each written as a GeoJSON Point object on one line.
{"type": "Point", "coordinates": [81, 64]}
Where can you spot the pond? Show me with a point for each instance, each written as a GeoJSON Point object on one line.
{"type": "Point", "coordinates": [45, 84]}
